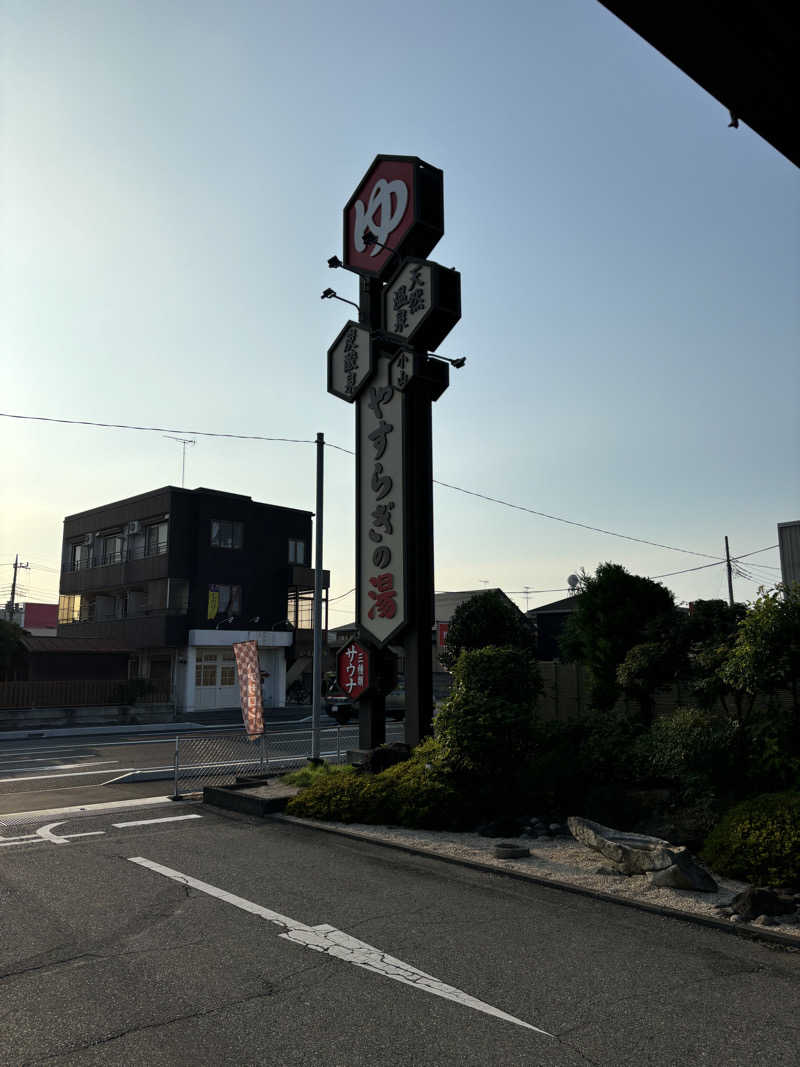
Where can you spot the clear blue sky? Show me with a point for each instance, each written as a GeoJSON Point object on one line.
{"type": "Point", "coordinates": [172, 179]}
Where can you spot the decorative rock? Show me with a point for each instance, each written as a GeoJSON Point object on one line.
{"type": "Point", "coordinates": [635, 853]}
{"type": "Point", "coordinates": [554, 828]}
{"type": "Point", "coordinates": [765, 920]}
{"type": "Point", "coordinates": [529, 833]}
{"type": "Point", "coordinates": [684, 874]}
{"type": "Point", "coordinates": [499, 828]}
{"type": "Point", "coordinates": [611, 871]}
{"type": "Point", "coordinates": [640, 853]}
{"type": "Point", "coordinates": [756, 900]}
{"type": "Point", "coordinates": [505, 850]}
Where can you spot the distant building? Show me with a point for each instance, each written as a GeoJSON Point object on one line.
{"type": "Point", "coordinates": [176, 576]}
{"type": "Point", "coordinates": [40, 620]}
{"type": "Point", "coordinates": [789, 548]}
{"type": "Point", "coordinates": [550, 620]}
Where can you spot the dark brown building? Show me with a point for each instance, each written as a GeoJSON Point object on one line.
{"type": "Point", "coordinates": [177, 575]}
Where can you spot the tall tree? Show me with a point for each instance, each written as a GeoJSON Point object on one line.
{"type": "Point", "coordinates": [488, 618]}
{"type": "Point", "coordinates": [615, 611]}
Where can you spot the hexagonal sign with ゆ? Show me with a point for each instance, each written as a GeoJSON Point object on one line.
{"type": "Point", "coordinates": [397, 210]}
{"type": "Point", "coordinates": [422, 303]}
{"type": "Point", "coordinates": [351, 362]}
{"type": "Point", "coordinates": [353, 670]}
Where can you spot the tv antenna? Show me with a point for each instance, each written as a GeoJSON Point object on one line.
{"type": "Point", "coordinates": [184, 441]}
{"type": "Point", "coordinates": [572, 582]}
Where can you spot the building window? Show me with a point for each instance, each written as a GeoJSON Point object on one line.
{"type": "Point", "coordinates": [224, 600]}
{"type": "Point", "coordinates": [178, 596]}
{"type": "Point", "coordinates": [227, 674]}
{"type": "Point", "coordinates": [297, 551]}
{"type": "Point", "coordinates": [79, 557]}
{"type": "Point", "coordinates": [112, 549]}
{"type": "Point", "coordinates": [69, 609]}
{"type": "Point", "coordinates": [205, 671]}
{"type": "Point", "coordinates": [226, 534]}
{"type": "Point", "coordinates": [300, 609]}
{"type": "Point", "coordinates": [155, 539]}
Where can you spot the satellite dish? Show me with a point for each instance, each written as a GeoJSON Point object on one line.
{"type": "Point", "coordinates": [572, 582]}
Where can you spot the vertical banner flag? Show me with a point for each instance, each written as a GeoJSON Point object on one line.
{"type": "Point", "coordinates": [213, 602]}
{"type": "Point", "coordinates": [246, 653]}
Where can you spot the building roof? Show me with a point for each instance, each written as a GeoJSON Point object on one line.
{"type": "Point", "coordinates": [744, 54]}
{"type": "Point", "coordinates": [72, 644]}
{"type": "Point", "coordinates": [445, 605]}
{"type": "Point", "coordinates": [176, 489]}
{"type": "Point", "coordinates": [556, 607]}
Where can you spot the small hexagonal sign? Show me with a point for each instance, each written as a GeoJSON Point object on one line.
{"type": "Point", "coordinates": [353, 670]}
{"type": "Point", "coordinates": [351, 361]}
{"type": "Point", "coordinates": [397, 210]}
{"type": "Point", "coordinates": [402, 369]}
{"type": "Point", "coordinates": [422, 303]}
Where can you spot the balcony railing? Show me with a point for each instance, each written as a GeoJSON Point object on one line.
{"type": "Point", "coordinates": [110, 559]}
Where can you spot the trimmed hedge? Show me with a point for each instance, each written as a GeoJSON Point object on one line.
{"type": "Point", "coordinates": [758, 841]}
{"type": "Point", "coordinates": [419, 793]}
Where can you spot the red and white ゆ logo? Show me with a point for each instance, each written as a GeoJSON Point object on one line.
{"type": "Point", "coordinates": [382, 214]}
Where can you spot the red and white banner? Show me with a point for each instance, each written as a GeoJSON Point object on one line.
{"type": "Point", "coordinates": [246, 653]}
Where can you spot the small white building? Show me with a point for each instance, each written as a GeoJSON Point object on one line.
{"type": "Point", "coordinates": [205, 671]}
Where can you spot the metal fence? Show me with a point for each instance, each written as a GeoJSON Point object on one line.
{"type": "Point", "coordinates": [221, 759]}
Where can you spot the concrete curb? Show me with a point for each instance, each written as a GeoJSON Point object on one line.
{"type": "Point", "coordinates": [747, 931]}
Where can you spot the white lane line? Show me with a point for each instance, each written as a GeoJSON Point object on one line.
{"type": "Point", "coordinates": [333, 942]}
{"type": "Point", "coordinates": [45, 777]}
{"type": "Point", "coordinates": [59, 767]}
{"type": "Point", "coordinates": [44, 759]}
{"type": "Point", "coordinates": [150, 822]}
{"type": "Point", "coordinates": [108, 805]}
{"type": "Point", "coordinates": [29, 839]}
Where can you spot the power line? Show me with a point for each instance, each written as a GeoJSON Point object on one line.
{"type": "Point", "coordinates": [341, 595]}
{"type": "Point", "coordinates": [347, 451]}
{"type": "Point", "coordinates": [157, 429]}
{"type": "Point", "coordinates": [570, 522]}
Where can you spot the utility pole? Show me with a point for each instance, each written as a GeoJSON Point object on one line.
{"type": "Point", "coordinates": [730, 572]}
{"type": "Point", "coordinates": [316, 693]}
{"type": "Point", "coordinates": [17, 566]}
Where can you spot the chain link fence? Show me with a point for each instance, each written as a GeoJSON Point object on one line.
{"type": "Point", "coordinates": [221, 759]}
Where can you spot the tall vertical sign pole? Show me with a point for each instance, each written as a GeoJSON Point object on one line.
{"type": "Point", "coordinates": [372, 705]}
{"type": "Point", "coordinates": [380, 364]}
{"type": "Point", "coordinates": [316, 697]}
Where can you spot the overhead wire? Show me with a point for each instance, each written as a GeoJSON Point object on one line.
{"type": "Point", "coordinates": [347, 451]}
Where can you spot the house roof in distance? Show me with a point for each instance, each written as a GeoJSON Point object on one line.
{"type": "Point", "coordinates": [72, 644]}
{"type": "Point", "coordinates": [556, 607]}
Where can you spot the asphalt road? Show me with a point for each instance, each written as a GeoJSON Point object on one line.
{"type": "Point", "coordinates": [220, 939]}
{"type": "Point", "coordinates": [49, 772]}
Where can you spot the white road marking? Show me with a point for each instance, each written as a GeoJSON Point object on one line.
{"type": "Point", "coordinates": [108, 805]}
{"type": "Point", "coordinates": [46, 834]}
{"type": "Point", "coordinates": [44, 759]}
{"type": "Point", "coordinates": [45, 777]}
{"type": "Point", "coordinates": [58, 767]}
{"type": "Point", "coordinates": [150, 822]}
{"type": "Point", "coordinates": [333, 942]}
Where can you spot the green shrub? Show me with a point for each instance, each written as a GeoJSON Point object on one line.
{"type": "Point", "coordinates": [487, 727]}
{"type": "Point", "coordinates": [758, 841]}
{"type": "Point", "coordinates": [692, 747]}
{"type": "Point", "coordinates": [306, 776]}
{"type": "Point", "coordinates": [419, 792]}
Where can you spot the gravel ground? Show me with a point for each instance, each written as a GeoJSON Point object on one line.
{"type": "Point", "coordinates": [565, 860]}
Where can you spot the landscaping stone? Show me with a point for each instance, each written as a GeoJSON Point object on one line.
{"type": "Point", "coordinates": [610, 871]}
{"type": "Point", "coordinates": [765, 920]}
{"type": "Point", "coordinates": [507, 850]}
{"type": "Point", "coordinates": [757, 900]}
{"type": "Point", "coordinates": [639, 854]}
{"type": "Point", "coordinates": [684, 874]}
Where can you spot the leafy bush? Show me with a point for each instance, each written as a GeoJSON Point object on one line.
{"type": "Point", "coordinates": [419, 792]}
{"type": "Point", "coordinates": [306, 776]}
{"type": "Point", "coordinates": [691, 747]}
{"type": "Point", "coordinates": [487, 724]}
{"type": "Point", "coordinates": [488, 618]}
{"type": "Point", "coordinates": [758, 841]}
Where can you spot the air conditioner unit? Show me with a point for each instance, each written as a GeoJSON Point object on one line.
{"type": "Point", "coordinates": [134, 526]}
